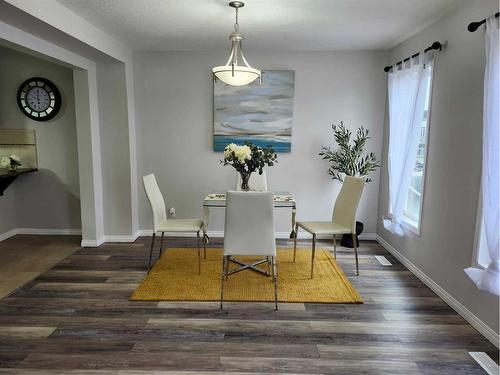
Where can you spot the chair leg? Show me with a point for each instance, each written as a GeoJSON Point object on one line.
{"type": "Point", "coordinates": [334, 247]}
{"type": "Point", "coordinates": [151, 251]}
{"type": "Point", "coordinates": [204, 250]}
{"type": "Point", "coordinates": [313, 254]}
{"type": "Point", "coordinates": [223, 276]}
{"type": "Point", "coordinates": [295, 241]}
{"type": "Point", "coordinates": [355, 252]}
{"type": "Point", "coordinates": [226, 269]}
{"type": "Point", "coordinates": [161, 244]}
{"type": "Point", "coordinates": [198, 246]}
{"type": "Point", "coordinates": [275, 279]}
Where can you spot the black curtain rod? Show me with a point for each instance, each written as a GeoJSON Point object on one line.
{"type": "Point", "coordinates": [435, 45]}
{"type": "Point", "coordinates": [473, 26]}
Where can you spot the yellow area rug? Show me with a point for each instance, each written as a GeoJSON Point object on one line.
{"type": "Point", "coordinates": [175, 277]}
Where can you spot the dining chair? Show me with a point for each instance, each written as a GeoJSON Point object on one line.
{"type": "Point", "coordinates": [343, 219]}
{"type": "Point", "coordinates": [257, 182]}
{"type": "Point", "coordinates": [249, 231]}
{"type": "Point", "coordinates": [162, 225]}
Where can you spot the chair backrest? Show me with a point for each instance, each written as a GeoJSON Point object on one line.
{"type": "Point", "coordinates": [257, 181]}
{"type": "Point", "coordinates": [249, 226]}
{"type": "Point", "coordinates": [155, 199]}
{"type": "Point", "coordinates": [347, 202]}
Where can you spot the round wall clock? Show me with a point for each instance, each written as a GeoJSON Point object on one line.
{"type": "Point", "coordinates": [39, 99]}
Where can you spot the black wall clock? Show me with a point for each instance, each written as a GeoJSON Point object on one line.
{"type": "Point", "coordinates": [39, 99]}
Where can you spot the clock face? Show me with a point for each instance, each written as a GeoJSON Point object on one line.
{"type": "Point", "coordinates": [39, 99]}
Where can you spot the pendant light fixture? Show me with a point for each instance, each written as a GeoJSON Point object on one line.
{"type": "Point", "coordinates": [233, 73]}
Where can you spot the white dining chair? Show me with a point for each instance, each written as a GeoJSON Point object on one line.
{"type": "Point", "coordinates": [160, 222]}
{"type": "Point", "coordinates": [343, 219]}
{"type": "Point", "coordinates": [257, 182]}
{"type": "Point", "coordinates": [249, 230]}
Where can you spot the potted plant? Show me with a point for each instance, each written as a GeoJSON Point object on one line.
{"type": "Point", "coordinates": [247, 159]}
{"type": "Point", "coordinates": [10, 162]}
{"type": "Point", "coordinates": [349, 159]}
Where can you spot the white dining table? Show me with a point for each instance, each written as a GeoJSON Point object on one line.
{"type": "Point", "coordinates": [282, 199]}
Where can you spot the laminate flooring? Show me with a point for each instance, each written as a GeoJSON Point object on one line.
{"type": "Point", "coordinates": [76, 319]}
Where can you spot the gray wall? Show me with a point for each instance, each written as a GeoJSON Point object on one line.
{"type": "Point", "coordinates": [7, 211]}
{"type": "Point", "coordinates": [445, 245]}
{"type": "Point", "coordinates": [174, 100]}
{"type": "Point", "coordinates": [51, 197]}
{"type": "Point", "coordinates": [115, 159]}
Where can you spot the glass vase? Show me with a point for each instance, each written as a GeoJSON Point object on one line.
{"type": "Point", "coordinates": [245, 177]}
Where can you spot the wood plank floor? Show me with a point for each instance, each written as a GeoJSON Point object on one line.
{"type": "Point", "coordinates": [21, 260]}
{"type": "Point", "coordinates": [76, 319]}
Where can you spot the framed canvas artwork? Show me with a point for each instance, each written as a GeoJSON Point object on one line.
{"type": "Point", "coordinates": [261, 113]}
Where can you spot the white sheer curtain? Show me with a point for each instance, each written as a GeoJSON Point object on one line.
{"type": "Point", "coordinates": [487, 279]}
{"type": "Point", "coordinates": [407, 91]}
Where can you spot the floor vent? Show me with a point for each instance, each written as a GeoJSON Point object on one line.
{"type": "Point", "coordinates": [383, 260]}
{"type": "Point", "coordinates": [486, 362]}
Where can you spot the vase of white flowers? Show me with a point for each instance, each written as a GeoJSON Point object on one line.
{"type": "Point", "coordinates": [10, 162]}
{"type": "Point", "coordinates": [247, 159]}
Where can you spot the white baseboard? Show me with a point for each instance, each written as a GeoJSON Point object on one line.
{"type": "Point", "coordinates": [143, 232]}
{"type": "Point", "coordinates": [120, 238]}
{"type": "Point", "coordinates": [41, 231]}
{"type": "Point", "coordinates": [220, 233]}
{"type": "Point", "coordinates": [474, 321]}
{"type": "Point", "coordinates": [50, 231]}
{"type": "Point", "coordinates": [9, 234]}
{"type": "Point", "coordinates": [92, 243]}
{"type": "Point", "coordinates": [68, 232]}
{"type": "Point", "coordinates": [368, 236]}
{"type": "Point", "coordinates": [124, 238]}
{"type": "Point", "coordinates": [485, 361]}
{"type": "Point", "coordinates": [149, 233]}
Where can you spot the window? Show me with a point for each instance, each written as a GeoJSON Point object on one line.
{"type": "Point", "coordinates": [413, 202]}
{"type": "Point", "coordinates": [485, 268]}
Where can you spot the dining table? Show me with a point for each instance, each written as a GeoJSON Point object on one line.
{"type": "Point", "coordinates": [217, 199]}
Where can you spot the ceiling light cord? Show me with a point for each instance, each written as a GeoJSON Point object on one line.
{"type": "Point", "coordinates": [236, 24]}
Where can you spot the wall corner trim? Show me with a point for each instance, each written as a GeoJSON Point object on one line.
{"type": "Point", "coordinates": [9, 234]}
{"type": "Point", "coordinates": [473, 320]}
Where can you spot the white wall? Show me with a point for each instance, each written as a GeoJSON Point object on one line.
{"type": "Point", "coordinates": [58, 33]}
{"type": "Point", "coordinates": [116, 169]}
{"type": "Point", "coordinates": [452, 183]}
{"type": "Point", "coordinates": [87, 118]}
{"type": "Point", "coordinates": [174, 109]}
{"type": "Point", "coordinates": [55, 188]}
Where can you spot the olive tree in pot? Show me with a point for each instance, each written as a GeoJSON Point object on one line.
{"type": "Point", "coordinates": [349, 159]}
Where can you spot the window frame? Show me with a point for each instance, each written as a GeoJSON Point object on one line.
{"type": "Point", "coordinates": [415, 226]}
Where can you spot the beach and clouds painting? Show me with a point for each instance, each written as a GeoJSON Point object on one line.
{"type": "Point", "coordinates": [261, 113]}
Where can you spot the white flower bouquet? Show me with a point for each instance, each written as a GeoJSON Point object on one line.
{"type": "Point", "coordinates": [247, 159]}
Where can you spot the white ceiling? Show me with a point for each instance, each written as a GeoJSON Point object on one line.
{"type": "Point", "coordinates": [284, 25]}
